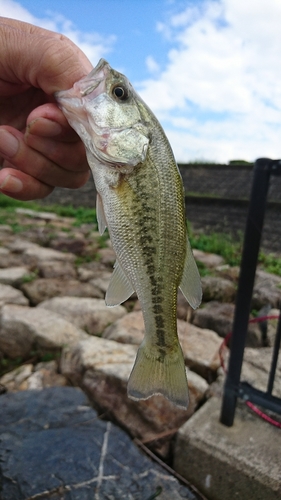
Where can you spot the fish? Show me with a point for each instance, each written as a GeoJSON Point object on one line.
{"type": "Point", "coordinates": [140, 199]}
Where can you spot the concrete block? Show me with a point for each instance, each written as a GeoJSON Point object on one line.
{"type": "Point", "coordinates": [241, 462]}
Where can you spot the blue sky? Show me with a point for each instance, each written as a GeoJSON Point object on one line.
{"type": "Point", "coordinates": [209, 69]}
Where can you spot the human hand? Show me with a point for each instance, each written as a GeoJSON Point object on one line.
{"type": "Point", "coordinates": [38, 149]}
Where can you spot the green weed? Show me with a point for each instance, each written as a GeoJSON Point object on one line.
{"type": "Point", "coordinates": [84, 259]}
{"type": "Point", "coordinates": [28, 278]}
{"type": "Point", "coordinates": [270, 263]}
{"type": "Point", "coordinates": [220, 244]}
{"type": "Point", "coordinates": [102, 240]}
{"type": "Point", "coordinates": [81, 214]}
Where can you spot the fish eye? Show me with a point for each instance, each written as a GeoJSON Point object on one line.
{"type": "Point", "coordinates": [120, 92]}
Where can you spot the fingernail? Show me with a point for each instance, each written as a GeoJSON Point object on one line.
{"type": "Point", "coordinates": [44, 127]}
{"type": "Point", "coordinates": [11, 184]}
{"type": "Point", "coordinates": [9, 144]}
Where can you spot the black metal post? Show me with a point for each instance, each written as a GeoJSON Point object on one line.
{"type": "Point", "coordinates": [274, 358]}
{"type": "Point", "coordinates": [262, 171]}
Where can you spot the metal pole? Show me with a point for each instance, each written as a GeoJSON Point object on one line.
{"type": "Point", "coordinates": [274, 357]}
{"type": "Point", "coordinates": [245, 287]}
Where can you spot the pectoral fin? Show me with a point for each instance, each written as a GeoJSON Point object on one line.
{"type": "Point", "coordinates": [191, 283]}
{"type": "Point", "coordinates": [100, 215]}
{"type": "Point", "coordinates": [120, 288]}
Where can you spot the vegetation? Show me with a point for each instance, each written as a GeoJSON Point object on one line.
{"type": "Point", "coordinates": [221, 244]}
{"type": "Point", "coordinates": [81, 215]}
{"type": "Point", "coordinates": [8, 364]}
{"type": "Point", "coordinates": [270, 263]}
{"type": "Point", "coordinates": [240, 162]}
{"type": "Point", "coordinates": [227, 246]}
{"type": "Point", "coordinates": [231, 250]}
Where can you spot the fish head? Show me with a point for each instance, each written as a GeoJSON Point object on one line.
{"type": "Point", "coordinates": [103, 109]}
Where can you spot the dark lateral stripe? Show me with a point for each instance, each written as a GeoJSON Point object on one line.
{"type": "Point", "coordinates": [160, 333]}
{"type": "Point", "coordinates": [157, 309]}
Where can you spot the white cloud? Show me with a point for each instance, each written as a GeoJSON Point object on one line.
{"type": "Point", "coordinates": [225, 63]}
{"type": "Point", "coordinates": [219, 96]}
{"type": "Point", "coordinates": [152, 65]}
{"type": "Point", "coordinates": [92, 44]}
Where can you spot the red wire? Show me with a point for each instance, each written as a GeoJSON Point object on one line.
{"type": "Point", "coordinates": [263, 415]}
{"type": "Point", "coordinates": [260, 413]}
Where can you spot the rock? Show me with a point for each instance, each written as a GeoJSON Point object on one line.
{"type": "Point", "coordinates": [102, 368]}
{"type": "Point", "coordinates": [20, 245]}
{"type": "Point", "coordinates": [53, 445]}
{"type": "Point", "coordinates": [255, 369]}
{"type": "Point", "coordinates": [219, 317]}
{"type": "Point", "coordinates": [215, 316]}
{"type": "Point", "coordinates": [12, 260]}
{"type": "Point", "coordinates": [5, 229]}
{"type": "Point", "coordinates": [102, 281]}
{"type": "Point", "coordinates": [15, 380]}
{"type": "Point", "coordinates": [43, 254]}
{"type": "Point", "coordinates": [10, 295]}
{"type": "Point", "coordinates": [266, 290]}
{"type": "Point", "coordinates": [229, 272]}
{"type": "Point", "coordinates": [184, 310]}
{"type": "Point", "coordinates": [107, 256]}
{"type": "Point", "coordinates": [209, 260]}
{"type": "Point", "coordinates": [218, 289]}
{"type": "Point", "coordinates": [44, 374]}
{"type": "Point", "coordinates": [43, 289]}
{"type": "Point", "coordinates": [91, 270]}
{"type": "Point", "coordinates": [200, 346]}
{"type": "Point", "coordinates": [24, 328]}
{"type": "Point", "coordinates": [90, 314]}
{"type": "Point", "coordinates": [73, 245]}
{"type": "Point", "coordinates": [57, 269]}
{"type": "Point", "coordinates": [13, 275]}
{"type": "Point", "coordinates": [4, 251]}
{"type": "Point", "coordinates": [47, 216]}
{"type": "Point", "coordinates": [128, 330]}
{"type": "Point", "coordinates": [272, 326]}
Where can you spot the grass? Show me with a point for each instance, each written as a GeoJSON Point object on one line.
{"type": "Point", "coordinates": [227, 246]}
{"type": "Point", "coordinates": [81, 215]}
{"type": "Point", "coordinates": [270, 263]}
{"type": "Point", "coordinates": [231, 250]}
{"type": "Point", "coordinates": [220, 244]}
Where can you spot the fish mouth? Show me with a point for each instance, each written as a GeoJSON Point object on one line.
{"type": "Point", "coordinates": [94, 83]}
{"type": "Point", "coordinates": [90, 84]}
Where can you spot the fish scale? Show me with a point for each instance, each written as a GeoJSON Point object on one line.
{"type": "Point", "coordinates": [140, 199]}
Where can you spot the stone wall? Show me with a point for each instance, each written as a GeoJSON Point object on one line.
{"type": "Point", "coordinates": [224, 181]}
{"type": "Point", "coordinates": [216, 200]}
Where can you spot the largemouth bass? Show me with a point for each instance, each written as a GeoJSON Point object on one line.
{"type": "Point", "coordinates": [141, 201]}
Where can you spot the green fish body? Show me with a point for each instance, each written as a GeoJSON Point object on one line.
{"type": "Point", "coordinates": [141, 201]}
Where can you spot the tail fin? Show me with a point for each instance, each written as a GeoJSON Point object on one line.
{"type": "Point", "coordinates": [155, 372]}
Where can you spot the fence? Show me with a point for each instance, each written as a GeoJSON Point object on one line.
{"type": "Point", "coordinates": [234, 387]}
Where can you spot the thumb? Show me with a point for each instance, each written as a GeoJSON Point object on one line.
{"type": "Point", "coordinates": [33, 56]}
